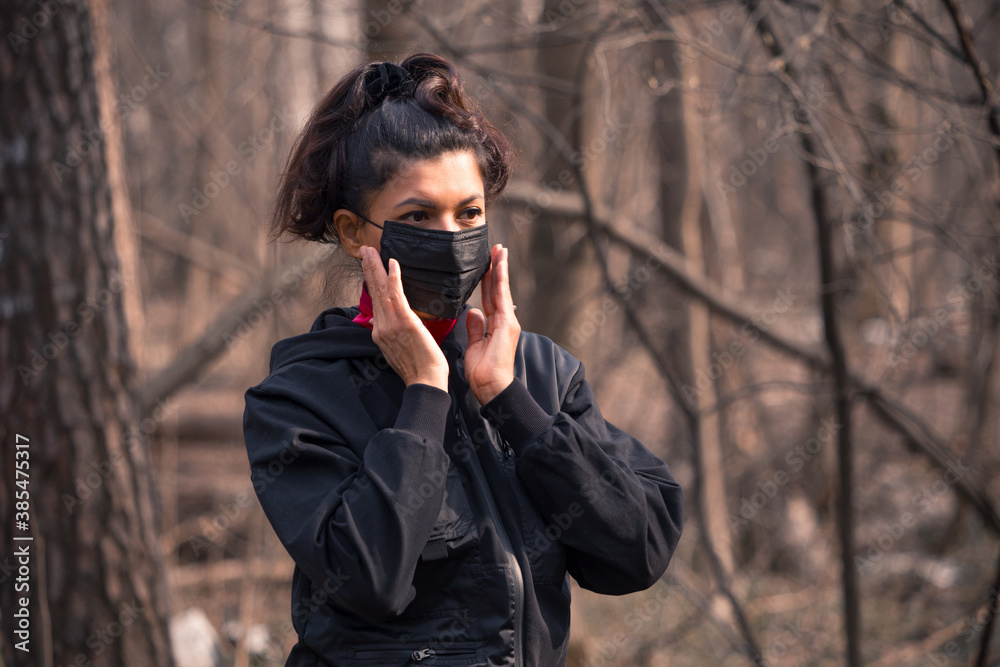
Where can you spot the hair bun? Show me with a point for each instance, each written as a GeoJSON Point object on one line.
{"type": "Point", "coordinates": [388, 80]}
{"type": "Point", "coordinates": [353, 143]}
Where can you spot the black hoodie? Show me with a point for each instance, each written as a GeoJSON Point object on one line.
{"type": "Point", "coordinates": [427, 530]}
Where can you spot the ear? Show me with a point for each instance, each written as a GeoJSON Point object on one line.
{"type": "Point", "coordinates": [348, 226]}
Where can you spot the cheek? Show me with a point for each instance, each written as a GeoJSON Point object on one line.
{"type": "Point", "coordinates": [371, 235]}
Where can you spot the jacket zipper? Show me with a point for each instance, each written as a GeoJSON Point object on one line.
{"type": "Point", "coordinates": [508, 451]}
{"type": "Point", "coordinates": [412, 656]}
{"type": "Point", "coordinates": [424, 653]}
{"type": "Point", "coordinates": [512, 563]}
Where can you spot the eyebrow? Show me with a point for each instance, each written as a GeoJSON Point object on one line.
{"type": "Point", "coordinates": [424, 203]}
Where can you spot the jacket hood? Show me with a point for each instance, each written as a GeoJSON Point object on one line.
{"type": "Point", "coordinates": [334, 336]}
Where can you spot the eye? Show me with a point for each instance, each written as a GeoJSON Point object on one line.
{"type": "Point", "coordinates": [472, 213]}
{"type": "Point", "coordinates": [415, 216]}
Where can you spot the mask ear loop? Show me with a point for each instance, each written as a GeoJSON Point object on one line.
{"type": "Point", "coordinates": [369, 221]}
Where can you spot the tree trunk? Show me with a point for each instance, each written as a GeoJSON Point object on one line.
{"type": "Point", "coordinates": [561, 259]}
{"type": "Point", "coordinates": [702, 378]}
{"type": "Point", "coordinates": [95, 585]}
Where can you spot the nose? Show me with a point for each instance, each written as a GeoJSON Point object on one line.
{"type": "Point", "coordinates": [448, 223]}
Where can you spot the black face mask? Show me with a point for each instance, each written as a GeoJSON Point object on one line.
{"type": "Point", "coordinates": [439, 270]}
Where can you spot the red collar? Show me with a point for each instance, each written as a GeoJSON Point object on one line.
{"type": "Point", "coordinates": [439, 328]}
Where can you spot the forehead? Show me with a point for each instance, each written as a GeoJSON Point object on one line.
{"type": "Point", "coordinates": [446, 177]}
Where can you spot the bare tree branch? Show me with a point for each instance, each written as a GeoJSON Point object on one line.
{"type": "Point", "coordinates": [232, 325]}
{"type": "Point", "coordinates": [991, 602]}
{"type": "Point", "coordinates": [986, 88]}
{"type": "Point", "coordinates": [838, 354]}
{"type": "Point", "coordinates": [898, 417]}
{"type": "Point", "coordinates": [194, 249]}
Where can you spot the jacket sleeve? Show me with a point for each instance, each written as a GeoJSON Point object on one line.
{"type": "Point", "coordinates": [617, 506]}
{"type": "Point", "coordinates": [355, 526]}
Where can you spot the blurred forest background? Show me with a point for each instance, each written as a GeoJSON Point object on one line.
{"type": "Point", "coordinates": [769, 228]}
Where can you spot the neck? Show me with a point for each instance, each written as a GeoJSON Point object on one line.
{"type": "Point", "coordinates": [438, 327]}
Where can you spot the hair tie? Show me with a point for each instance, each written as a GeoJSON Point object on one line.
{"type": "Point", "coordinates": [389, 80]}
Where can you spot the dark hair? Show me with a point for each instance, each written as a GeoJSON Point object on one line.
{"type": "Point", "coordinates": [374, 120]}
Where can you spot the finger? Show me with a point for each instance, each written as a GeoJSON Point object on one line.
{"type": "Point", "coordinates": [375, 274]}
{"type": "Point", "coordinates": [505, 299]}
{"type": "Point", "coordinates": [488, 280]}
{"type": "Point", "coordinates": [394, 288]}
{"type": "Point", "coordinates": [498, 280]}
{"type": "Point", "coordinates": [501, 294]}
{"type": "Point", "coordinates": [475, 325]}
{"type": "Point", "coordinates": [375, 277]}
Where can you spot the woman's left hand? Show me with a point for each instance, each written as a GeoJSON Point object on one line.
{"type": "Point", "coordinates": [489, 358]}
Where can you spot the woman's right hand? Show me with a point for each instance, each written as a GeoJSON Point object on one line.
{"type": "Point", "coordinates": [406, 343]}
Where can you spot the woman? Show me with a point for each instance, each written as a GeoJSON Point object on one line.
{"type": "Point", "coordinates": [434, 472]}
